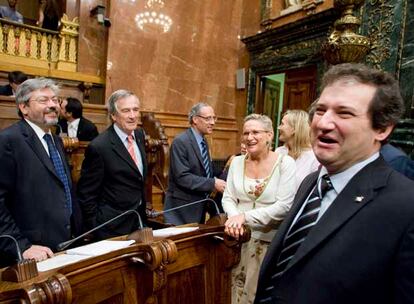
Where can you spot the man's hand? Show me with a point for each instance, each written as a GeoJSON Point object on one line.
{"type": "Point", "coordinates": [219, 185]}
{"type": "Point", "coordinates": [39, 253]}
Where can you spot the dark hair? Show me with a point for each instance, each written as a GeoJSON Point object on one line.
{"type": "Point", "coordinates": [52, 9]}
{"type": "Point", "coordinates": [74, 106]}
{"type": "Point", "coordinates": [17, 77]}
{"type": "Point", "coordinates": [386, 106]}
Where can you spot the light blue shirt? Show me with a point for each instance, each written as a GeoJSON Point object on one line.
{"type": "Point", "coordinates": [7, 13]}
{"type": "Point", "coordinates": [339, 182]}
{"type": "Point", "coordinates": [199, 138]}
{"type": "Point", "coordinates": [124, 138]}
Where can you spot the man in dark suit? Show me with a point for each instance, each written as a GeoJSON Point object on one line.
{"type": "Point", "coordinates": [349, 237]}
{"type": "Point", "coordinates": [113, 173]}
{"type": "Point", "coordinates": [36, 204]}
{"type": "Point", "coordinates": [191, 172]}
{"type": "Point", "coordinates": [15, 79]}
{"type": "Point", "coordinates": [74, 124]}
{"type": "Point", "coordinates": [398, 160]}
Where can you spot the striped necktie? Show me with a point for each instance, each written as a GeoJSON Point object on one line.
{"type": "Point", "coordinates": [205, 157]}
{"type": "Point", "coordinates": [60, 169]}
{"type": "Point", "coordinates": [298, 232]}
{"type": "Point", "coordinates": [131, 149]}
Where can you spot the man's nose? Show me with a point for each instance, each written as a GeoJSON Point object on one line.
{"type": "Point", "coordinates": [326, 121]}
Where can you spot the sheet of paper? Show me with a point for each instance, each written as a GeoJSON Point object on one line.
{"type": "Point", "coordinates": [59, 261]}
{"type": "Point", "coordinates": [99, 248]}
{"type": "Point", "coordinates": [166, 232]}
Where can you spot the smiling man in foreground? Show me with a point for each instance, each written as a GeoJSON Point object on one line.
{"type": "Point", "coordinates": [36, 204]}
{"type": "Point", "coordinates": [114, 169]}
{"type": "Point", "coordinates": [349, 237]}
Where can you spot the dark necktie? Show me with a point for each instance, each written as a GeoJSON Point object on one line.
{"type": "Point", "coordinates": [60, 169]}
{"type": "Point", "coordinates": [206, 159]}
{"type": "Point", "coordinates": [298, 232]}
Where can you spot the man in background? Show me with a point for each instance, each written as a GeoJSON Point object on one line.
{"type": "Point", "coordinates": [398, 160]}
{"type": "Point", "coordinates": [37, 207]}
{"type": "Point", "coordinates": [15, 79]}
{"type": "Point", "coordinates": [74, 124]}
{"type": "Point", "coordinates": [10, 12]}
{"type": "Point", "coordinates": [114, 169]}
{"type": "Point", "coordinates": [349, 237]}
{"type": "Point", "coordinates": [191, 172]}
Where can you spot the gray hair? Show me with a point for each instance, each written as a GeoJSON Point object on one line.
{"type": "Point", "coordinates": [263, 119]}
{"type": "Point", "coordinates": [117, 95]}
{"type": "Point", "coordinates": [25, 90]}
{"type": "Point", "coordinates": [195, 110]}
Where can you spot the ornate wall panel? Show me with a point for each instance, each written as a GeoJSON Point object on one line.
{"type": "Point", "coordinates": [389, 23]}
{"type": "Point", "coordinates": [291, 46]}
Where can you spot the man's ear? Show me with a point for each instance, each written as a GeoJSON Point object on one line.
{"type": "Point", "coordinates": [23, 108]}
{"type": "Point", "coordinates": [384, 133]}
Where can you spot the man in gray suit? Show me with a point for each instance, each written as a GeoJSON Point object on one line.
{"type": "Point", "coordinates": [191, 171]}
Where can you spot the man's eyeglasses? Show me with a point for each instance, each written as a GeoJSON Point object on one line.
{"type": "Point", "coordinates": [254, 133]}
{"type": "Point", "coordinates": [44, 100]}
{"type": "Point", "coordinates": [208, 118]}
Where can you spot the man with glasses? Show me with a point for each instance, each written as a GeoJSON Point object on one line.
{"type": "Point", "coordinates": [36, 204]}
{"type": "Point", "coordinates": [191, 172]}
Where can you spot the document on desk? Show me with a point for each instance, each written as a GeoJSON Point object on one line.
{"type": "Point", "coordinates": [166, 232]}
{"type": "Point", "coordinates": [83, 252]}
{"type": "Point", "coordinates": [99, 248]}
{"type": "Point", "coordinates": [59, 261]}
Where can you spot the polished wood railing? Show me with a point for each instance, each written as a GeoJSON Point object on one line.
{"type": "Point", "coordinates": [40, 48]}
{"type": "Point", "coordinates": [193, 267]}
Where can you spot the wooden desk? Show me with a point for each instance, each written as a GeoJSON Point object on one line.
{"type": "Point", "coordinates": [190, 268]}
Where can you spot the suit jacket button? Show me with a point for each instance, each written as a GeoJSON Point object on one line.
{"type": "Point", "coordinates": [67, 227]}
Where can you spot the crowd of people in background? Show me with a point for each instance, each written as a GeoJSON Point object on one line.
{"type": "Point", "coordinates": [49, 13]}
{"type": "Point", "coordinates": [330, 220]}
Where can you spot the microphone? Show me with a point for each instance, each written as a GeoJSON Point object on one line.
{"type": "Point", "coordinates": [24, 270]}
{"type": "Point", "coordinates": [66, 244]}
{"type": "Point", "coordinates": [153, 213]}
{"type": "Point", "coordinates": [19, 253]}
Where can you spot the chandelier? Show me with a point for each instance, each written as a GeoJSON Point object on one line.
{"type": "Point", "coordinates": [153, 16]}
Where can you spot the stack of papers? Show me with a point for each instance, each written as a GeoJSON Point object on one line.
{"type": "Point", "coordinates": [83, 252]}
{"type": "Point", "coordinates": [99, 248]}
{"type": "Point", "coordinates": [166, 232]}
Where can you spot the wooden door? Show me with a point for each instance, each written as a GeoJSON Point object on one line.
{"type": "Point", "coordinates": [300, 88]}
{"type": "Point", "coordinates": [269, 97]}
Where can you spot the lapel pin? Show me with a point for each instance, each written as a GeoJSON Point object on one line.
{"type": "Point", "coordinates": [359, 199]}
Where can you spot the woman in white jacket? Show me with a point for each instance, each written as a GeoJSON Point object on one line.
{"type": "Point", "coordinates": [259, 192]}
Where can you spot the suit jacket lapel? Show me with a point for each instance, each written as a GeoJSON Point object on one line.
{"type": "Point", "coordinates": [119, 148]}
{"type": "Point", "coordinates": [195, 146]}
{"type": "Point", "coordinates": [277, 242]}
{"type": "Point", "coordinates": [141, 147]}
{"type": "Point", "coordinates": [80, 127]}
{"type": "Point", "coordinates": [357, 194]}
{"type": "Point", "coordinates": [37, 147]}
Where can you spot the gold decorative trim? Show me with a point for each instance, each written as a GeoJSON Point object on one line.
{"type": "Point", "coordinates": [380, 25]}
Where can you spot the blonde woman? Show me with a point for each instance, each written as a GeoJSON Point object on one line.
{"type": "Point", "coordinates": [294, 132]}
{"type": "Point", "coordinates": [259, 192]}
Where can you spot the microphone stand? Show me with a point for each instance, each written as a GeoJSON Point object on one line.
{"type": "Point", "coordinates": [137, 237]}
{"type": "Point", "coordinates": [24, 270]}
{"type": "Point", "coordinates": [218, 219]}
